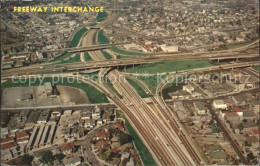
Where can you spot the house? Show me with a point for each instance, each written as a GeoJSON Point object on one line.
{"type": "Point", "coordinates": [102, 143]}
{"type": "Point", "coordinates": [119, 126]}
{"type": "Point", "coordinates": [200, 108]}
{"type": "Point", "coordinates": [44, 116]}
{"type": "Point", "coordinates": [125, 155]}
{"type": "Point", "coordinates": [6, 154]}
{"type": "Point", "coordinates": [219, 104]}
{"type": "Point", "coordinates": [102, 135]}
{"type": "Point", "coordinates": [23, 116]}
{"type": "Point", "coordinates": [238, 100]}
{"type": "Point", "coordinates": [7, 142]}
{"type": "Point", "coordinates": [67, 148]}
{"type": "Point", "coordinates": [22, 137]}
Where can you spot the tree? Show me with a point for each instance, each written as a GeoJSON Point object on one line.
{"type": "Point", "coordinates": [27, 159]}
{"type": "Point", "coordinates": [48, 157]}
{"type": "Point", "coordinates": [124, 138]}
{"type": "Point", "coordinates": [250, 156]}
{"type": "Point", "coordinates": [107, 155]}
{"type": "Point", "coordinates": [240, 127]}
{"type": "Point", "coordinates": [59, 156]}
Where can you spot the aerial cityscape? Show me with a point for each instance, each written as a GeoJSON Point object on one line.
{"type": "Point", "coordinates": [130, 82]}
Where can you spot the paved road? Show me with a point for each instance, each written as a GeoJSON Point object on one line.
{"type": "Point", "coordinates": [101, 62]}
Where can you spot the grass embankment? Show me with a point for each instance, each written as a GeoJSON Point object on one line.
{"type": "Point", "coordinates": [71, 59]}
{"type": "Point", "coordinates": [138, 89]}
{"type": "Point", "coordinates": [102, 39]}
{"type": "Point", "coordinates": [256, 67]}
{"type": "Point", "coordinates": [64, 55]}
{"type": "Point", "coordinates": [145, 155]}
{"type": "Point", "coordinates": [165, 67]}
{"type": "Point", "coordinates": [151, 82]}
{"type": "Point", "coordinates": [111, 86]}
{"type": "Point", "coordinates": [171, 66]}
{"type": "Point", "coordinates": [76, 38]}
{"type": "Point", "coordinates": [106, 55]}
{"type": "Point", "coordinates": [87, 56]}
{"type": "Point", "coordinates": [101, 16]}
{"type": "Point", "coordinates": [124, 52]}
{"type": "Point", "coordinates": [94, 95]}
{"type": "Point", "coordinates": [93, 76]}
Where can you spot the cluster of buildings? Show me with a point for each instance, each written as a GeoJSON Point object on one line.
{"type": "Point", "coordinates": [107, 141]}
{"type": "Point", "coordinates": [172, 26]}
{"type": "Point", "coordinates": [238, 111]}
{"type": "Point", "coordinates": [216, 85]}
{"type": "Point", "coordinates": [42, 31]}
{"type": "Point", "coordinates": [32, 130]}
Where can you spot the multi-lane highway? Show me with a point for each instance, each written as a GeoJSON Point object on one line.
{"type": "Point", "coordinates": [101, 62]}
{"type": "Point", "coordinates": [164, 143]}
{"type": "Point", "coordinates": [163, 135]}
{"type": "Point", "coordinates": [165, 147]}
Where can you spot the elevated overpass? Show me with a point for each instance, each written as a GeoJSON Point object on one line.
{"type": "Point", "coordinates": [41, 69]}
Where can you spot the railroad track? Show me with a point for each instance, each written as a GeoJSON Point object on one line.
{"type": "Point", "coordinates": [169, 78]}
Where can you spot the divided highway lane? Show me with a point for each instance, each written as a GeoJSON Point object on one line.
{"type": "Point", "coordinates": [97, 56]}
{"type": "Point", "coordinates": [188, 145]}
{"type": "Point", "coordinates": [165, 140]}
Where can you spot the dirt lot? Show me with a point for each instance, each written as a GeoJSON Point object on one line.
{"type": "Point", "coordinates": [70, 94]}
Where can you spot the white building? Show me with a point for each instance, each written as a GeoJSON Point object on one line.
{"type": "Point", "coordinates": [170, 48]}
{"type": "Point", "coordinates": [188, 88]}
{"type": "Point", "coordinates": [219, 104]}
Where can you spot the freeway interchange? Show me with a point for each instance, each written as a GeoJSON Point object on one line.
{"type": "Point", "coordinates": [162, 134]}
